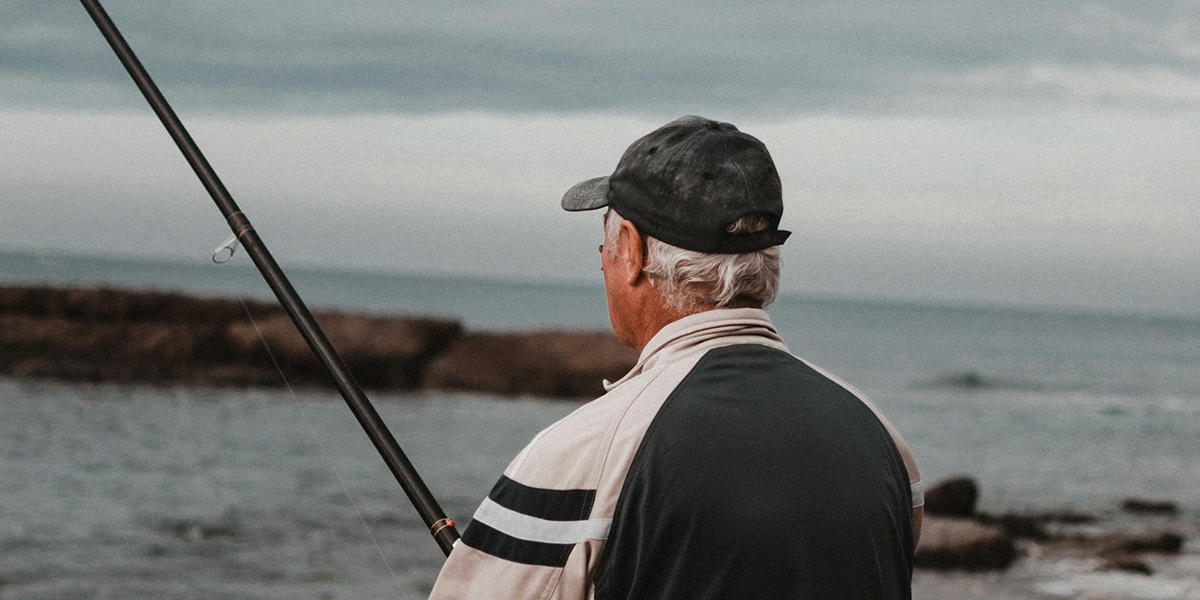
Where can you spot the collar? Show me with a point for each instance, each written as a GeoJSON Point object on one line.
{"type": "Point", "coordinates": [701, 332]}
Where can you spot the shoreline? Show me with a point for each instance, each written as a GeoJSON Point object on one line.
{"type": "Point", "coordinates": [117, 335]}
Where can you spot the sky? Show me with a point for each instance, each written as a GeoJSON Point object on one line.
{"type": "Point", "coordinates": [1038, 154]}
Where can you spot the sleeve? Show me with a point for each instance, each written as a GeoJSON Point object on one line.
{"type": "Point", "coordinates": [540, 531]}
{"type": "Point", "coordinates": [526, 543]}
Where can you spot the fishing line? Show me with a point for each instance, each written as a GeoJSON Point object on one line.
{"type": "Point", "coordinates": [312, 431]}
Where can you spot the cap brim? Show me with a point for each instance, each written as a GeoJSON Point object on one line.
{"type": "Point", "coordinates": [588, 195]}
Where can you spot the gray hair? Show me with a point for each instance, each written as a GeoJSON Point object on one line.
{"type": "Point", "coordinates": [689, 281]}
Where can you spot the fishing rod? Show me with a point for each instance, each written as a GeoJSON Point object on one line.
{"type": "Point", "coordinates": [440, 527]}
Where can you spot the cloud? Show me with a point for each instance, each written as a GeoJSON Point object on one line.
{"type": "Point", "coordinates": [1045, 209]}
{"type": "Point", "coordinates": [1029, 152]}
{"type": "Point", "coordinates": [766, 58]}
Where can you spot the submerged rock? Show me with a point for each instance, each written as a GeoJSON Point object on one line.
{"type": "Point", "coordinates": [1164, 542]}
{"type": "Point", "coordinates": [954, 497]}
{"type": "Point", "coordinates": [1034, 526]}
{"type": "Point", "coordinates": [963, 544]}
{"type": "Point", "coordinates": [970, 380]}
{"type": "Point", "coordinates": [1150, 507]}
{"type": "Point", "coordinates": [1119, 551]}
{"type": "Point", "coordinates": [1127, 563]}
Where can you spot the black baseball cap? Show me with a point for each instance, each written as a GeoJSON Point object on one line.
{"type": "Point", "coordinates": [686, 182]}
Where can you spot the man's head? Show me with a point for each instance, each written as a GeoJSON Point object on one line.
{"type": "Point", "coordinates": [695, 206]}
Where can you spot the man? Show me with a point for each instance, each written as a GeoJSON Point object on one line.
{"type": "Point", "coordinates": [720, 466]}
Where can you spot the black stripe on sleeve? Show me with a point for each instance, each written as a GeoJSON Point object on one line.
{"type": "Point", "coordinates": [552, 505]}
{"type": "Point", "coordinates": [501, 545]}
{"type": "Point", "coordinates": [539, 503]}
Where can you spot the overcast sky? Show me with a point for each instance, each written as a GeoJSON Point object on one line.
{"type": "Point", "coordinates": [1030, 153]}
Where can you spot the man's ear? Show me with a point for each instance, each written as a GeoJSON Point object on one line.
{"type": "Point", "coordinates": [632, 251]}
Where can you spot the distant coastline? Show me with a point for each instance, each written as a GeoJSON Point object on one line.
{"type": "Point", "coordinates": [110, 334]}
{"type": "Point", "coordinates": [198, 275]}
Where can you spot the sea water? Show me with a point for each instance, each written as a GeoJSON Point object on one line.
{"type": "Point", "coordinates": [126, 491]}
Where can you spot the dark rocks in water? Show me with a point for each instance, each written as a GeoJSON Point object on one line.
{"type": "Point", "coordinates": [1165, 542]}
{"type": "Point", "coordinates": [1026, 527]}
{"type": "Point", "coordinates": [108, 335]}
{"type": "Point", "coordinates": [1034, 526]}
{"type": "Point", "coordinates": [107, 350]}
{"type": "Point", "coordinates": [990, 543]}
{"type": "Point", "coordinates": [1069, 517]}
{"type": "Point", "coordinates": [968, 380]}
{"type": "Point", "coordinates": [1154, 507]}
{"type": "Point", "coordinates": [954, 497]}
{"type": "Point", "coordinates": [387, 353]}
{"type": "Point", "coordinates": [547, 363]}
{"type": "Point", "coordinates": [954, 536]}
{"type": "Point", "coordinates": [1128, 564]}
{"type": "Point", "coordinates": [112, 335]}
{"type": "Point", "coordinates": [972, 381]}
{"type": "Point", "coordinates": [90, 305]}
{"type": "Point", "coordinates": [964, 544]}
{"type": "Point", "coordinates": [1120, 551]}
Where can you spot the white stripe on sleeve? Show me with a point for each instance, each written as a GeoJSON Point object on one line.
{"type": "Point", "coordinates": [533, 529]}
{"type": "Point", "coordinates": [918, 494]}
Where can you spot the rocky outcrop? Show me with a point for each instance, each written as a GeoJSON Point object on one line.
{"type": "Point", "coordinates": [113, 335]}
{"type": "Point", "coordinates": [385, 353]}
{"type": "Point", "coordinates": [546, 363]}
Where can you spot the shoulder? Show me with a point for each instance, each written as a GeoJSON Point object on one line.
{"type": "Point", "coordinates": [576, 451]}
{"type": "Point", "coordinates": [910, 462]}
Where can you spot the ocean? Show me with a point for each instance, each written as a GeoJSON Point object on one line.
{"type": "Point", "coordinates": [128, 491]}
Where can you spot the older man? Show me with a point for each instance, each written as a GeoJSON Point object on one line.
{"type": "Point", "coordinates": [721, 466]}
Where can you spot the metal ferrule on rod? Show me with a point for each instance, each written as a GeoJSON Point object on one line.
{"type": "Point", "coordinates": [440, 526]}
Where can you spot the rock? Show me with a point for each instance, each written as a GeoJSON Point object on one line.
{"type": "Point", "coordinates": [117, 305]}
{"type": "Point", "coordinates": [1127, 563]}
{"type": "Point", "coordinates": [1164, 542]}
{"type": "Point", "coordinates": [381, 352]}
{"type": "Point", "coordinates": [1029, 527]}
{"type": "Point", "coordinates": [1120, 552]}
{"type": "Point", "coordinates": [1070, 517]}
{"type": "Point", "coordinates": [1118, 546]}
{"type": "Point", "coordinates": [970, 380]}
{"type": "Point", "coordinates": [1155, 507]}
{"type": "Point", "coordinates": [105, 351]}
{"type": "Point", "coordinates": [1034, 526]}
{"type": "Point", "coordinates": [963, 544]}
{"type": "Point", "coordinates": [112, 335]}
{"type": "Point", "coordinates": [952, 498]}
{"type": "Point", "coordinates": [546, 363]}
{"type": "Point", "coordinates": [106, 335]}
